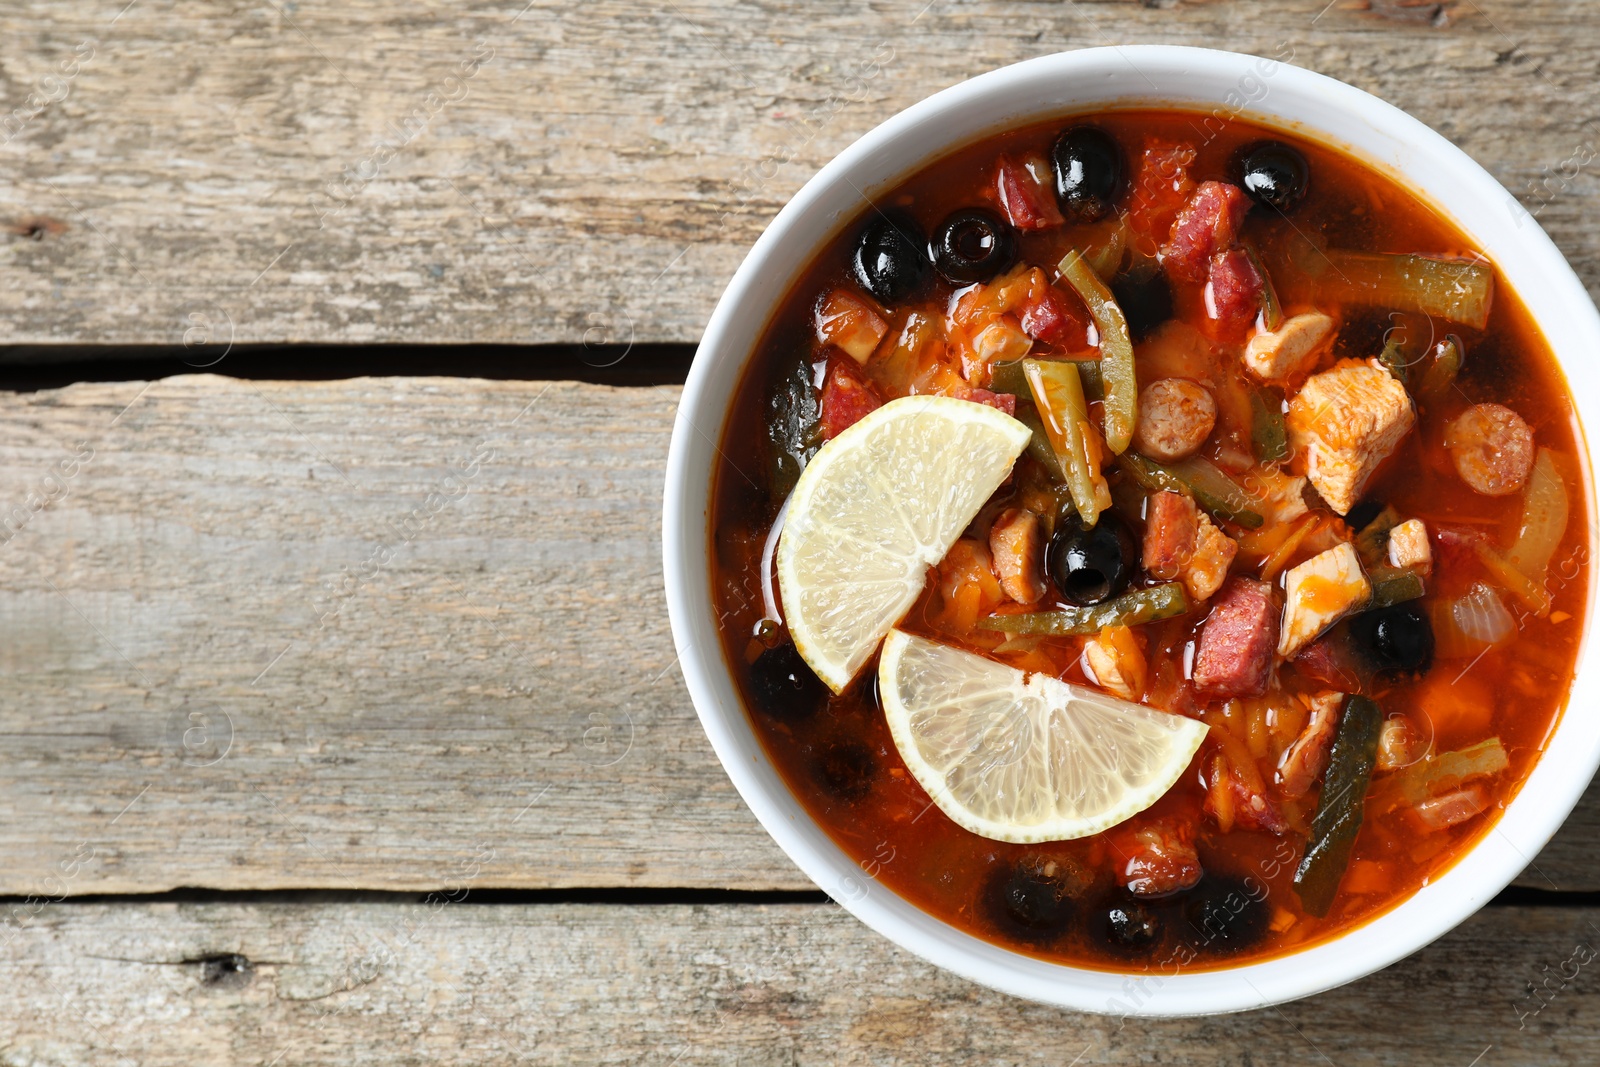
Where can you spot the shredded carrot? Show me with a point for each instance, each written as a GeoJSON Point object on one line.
{"type": "Point", "coordinates": [1514, 581]}
{"type": "Point", "coordinates": [1279, 558]}
{"type": "Point", "coordinates": [1221, 794]}
{"type": "Point", "coordinates": [1367, 876]}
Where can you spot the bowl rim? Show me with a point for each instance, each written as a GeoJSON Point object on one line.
{"type": "Point", "coordinates": [1322, 108]}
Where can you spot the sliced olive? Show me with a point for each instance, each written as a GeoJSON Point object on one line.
{"type": "Point", "coordinates": [973, 245]}
{"type": "Point", "coordinates": [784, 686]}
{"type": "Point", "coordinates": [1036, 899]}
{"type": "Point", "coordinates": [1398, 638]}
{"type": "Point", "coordinates": [1274, 174]}
{"type": "Point", "coordinates": [1088, 168]}
{"type": "Point", "coordinates": [845, 771]}
{"type": "Point", "coordinates": [891, 259]}
{"type": "Point", "coordinates": [1225, 916]}
{"type": "Point", "coordinates": [1090, 566]}
{"type": "Point", "coordinates": [1130, 926]}
{"type": "Point", "coordinates": [1145, 300]}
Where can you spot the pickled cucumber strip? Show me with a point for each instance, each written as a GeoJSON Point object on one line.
{"type": "Point", "coordinates": [1340, 807]}
{"type": "Point", "coordinates": [1130, 609]}
{"type": "Point", "coordinates": [1211, 488]}
{"type": "Point", "coordinates": [1116, 351]}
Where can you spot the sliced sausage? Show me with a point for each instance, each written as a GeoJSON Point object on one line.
{"type": "Point", "coordinates": [1237, 641]}
{"type": "Point", "coordinates": [1492, 448]}
{"type": "Point", "coordinates": [1175, 418]}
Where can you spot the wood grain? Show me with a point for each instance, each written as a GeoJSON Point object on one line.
{"type": "Point", "coordinates": [359, 634]}
{"type": "Point", "coordinates": [381, 984]}
{"type": "Point", "coordinates": [594, 173]}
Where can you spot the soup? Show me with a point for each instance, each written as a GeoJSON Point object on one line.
{"type": "Point", "coordinates": [1298, 468]}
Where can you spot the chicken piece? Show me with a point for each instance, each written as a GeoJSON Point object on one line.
{"type": "Point", "coordinates": [1234, 656]}
{"type": "Point", "coordinates": [1306, 758]}
{"type": "Point", "coordinates": [1320, 592]}
{"type": "Point", "coordinates": [1156, 857]}
{"type": "Point", "coordinates": [850, 322]}
{"type": "Point", "coordinates": [1116, 662]}
{"type": "Point", "coordinates": [1397, 744]}
{"type": "Point", "coordinates": [1170, 524]}
{"type": "Point", "coordinates": [1408, 546]}
{"type": "Point", "coordinates": [1343, 423]}
{"type": "Point", "coordinates": [1207, 566]}
{"type": "Point", "coordinates": [1492, 448]}
{"type": "Point", "coordinates": [1017, 545]}
{"type": "Point", "coordinates": [1279, 497]}
{"type": "Point", "coordinates": [1000, 340]}
{"type": "Point", "coordinates": [1278, 355]}
{"type": "Point", "coordinates": [1175, 418]}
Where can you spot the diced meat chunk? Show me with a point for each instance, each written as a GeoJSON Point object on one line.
{"type": "Point", "coordinates": [1161, 186]}
{"type": "Point", "coordinates": [1233, 294]}
{"type": "Point", "coordinates": [1320, 592]}
{"type": "Point", "coordinates": [1234, 802]}
{"type": "Point", "coordinates": [1207, 566]}
{"type": "Point", "coordinates": [1182, 542]}
{"type": "Point", "coordinates": [1306, 758]}
{"type": "Point", "coordinates": [1024, 190]}
{"type": "Point", "coordinates": [1397, 744]}
{"type": "Point", "coordinates": [1237, 641]}
{"type": "Point", "coordinates": [1209, 223]}
{"type": "Point", "coordinates": [1281, 354]}
{"type": "Point", "coordinates": [1330, 660]}
{"type": "Point", "coordinates": [847, 398]}
{"type": "Point", "coordinates": [1343, 423]}
{"type": "Point", "coordinates": [1409, 548]}
{"type": "Point", "coordinates": [1171, 521]}
{"type": "Point", "coordinates": [1175, 418]}
{"type": "Point", "coordinates": [1052, 318]}
{"type": "Point", "coordinates": [1017, 545]}
{"type": "Point", "coordinates": [851, 323]}
{"type": "Point", "coordinates": [1156, 857]}
{"type": "Point", "coordinates": [1117, 662]}
{"type": "Point", "coordinates": [1492, 448]}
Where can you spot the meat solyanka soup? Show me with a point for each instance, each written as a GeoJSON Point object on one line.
{"type": "Point", "coordinates": [1149, 546]}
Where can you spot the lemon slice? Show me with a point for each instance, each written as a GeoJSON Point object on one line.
{"type": "Point", "coordinates": [1020, 757]}
{"type": "Point", "coordinates": [874, 509]}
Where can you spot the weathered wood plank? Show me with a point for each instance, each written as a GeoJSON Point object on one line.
{"type": "Point", "coordinates": [567, 172]}
{"type": "Point", "coordinates": [387, 984]}
{"type": "Point", "coordinates": [253, 642]}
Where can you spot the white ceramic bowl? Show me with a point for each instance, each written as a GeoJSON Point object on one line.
{"type": "Point", "coordinates": [1226, 84]}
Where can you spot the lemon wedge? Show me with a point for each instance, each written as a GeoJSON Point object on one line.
{"type": "Point", "coordinates": [1020, 757]}
{"type": "Point", "coordinates": [874, 509]}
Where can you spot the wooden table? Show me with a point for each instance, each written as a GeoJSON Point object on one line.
{"type": "Point", "coordinates": [342, 723]}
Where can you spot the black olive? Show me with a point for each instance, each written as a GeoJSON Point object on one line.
{"type": "Point", "coordinates": [891, 258]}
{"type": "Point", "coordinates": [1035, 899]}
{"type": "Point", "coordinates": [1397, 638]}
{"type": "Point", "coordinates": [1363, 513]}
{"type": "Point", "coordinates": [1146, 301]}
{"type": "Point", "coordinates": [1130, 926]}
{"type": "Point", "coordinates": [784, 686]}
{"type": "Point", "coordinates": [1093, 565]}
{"type": "Point", "coordinates": [1088, 166]}
{"type": "Point", "coordinates": [846, 771]}
{"type": "Point", "coordinates": [973, 245]}
{"type": "Point", "coordinates": [1226, 915]}
{"type": "Point", "coordinates": [1274, 174]}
